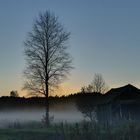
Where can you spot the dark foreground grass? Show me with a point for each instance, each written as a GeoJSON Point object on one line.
{"type": "Point", "coordinates": [77, 131]}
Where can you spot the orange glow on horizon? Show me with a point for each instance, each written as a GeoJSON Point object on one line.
{"type": "Point", "coordinates": [64, 89]}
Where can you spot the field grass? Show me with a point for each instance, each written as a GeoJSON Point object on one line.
{"type": "Point", "coordinates": [77, 131]}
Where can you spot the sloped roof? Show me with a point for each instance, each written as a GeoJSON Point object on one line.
{"type": "Point", "coordinates": [127, 92]}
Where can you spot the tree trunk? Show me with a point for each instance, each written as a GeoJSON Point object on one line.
{"type": "Point", "coordinates": [47, 106]}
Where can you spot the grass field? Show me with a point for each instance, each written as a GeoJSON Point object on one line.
{"type": "Point", "coordinates": [77, 131]}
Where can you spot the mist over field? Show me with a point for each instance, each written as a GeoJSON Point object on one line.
{"type": "Point", "coordinates": [58, 113]}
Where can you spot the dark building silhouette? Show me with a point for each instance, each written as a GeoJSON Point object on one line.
{"type": "Point", "coordinates": [120, 104]}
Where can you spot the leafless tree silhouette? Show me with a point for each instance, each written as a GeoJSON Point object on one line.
{"type": "Point", "coordinates": [98, 84]}
{"type": "Point", "coordinates": [14, 93]}
{"type": "Point", "coordinates": [48, 61]}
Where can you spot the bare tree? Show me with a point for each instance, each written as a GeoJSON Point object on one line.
{"type": "Point", "coordinates": [14, 93]}
{"type": "Point", "coordinates": [90, 97]}
{"type": "Point", "coordinates": [98, 84]}
{"type": "Point", "coordinates": [87, 89]}
{"type": "Point", "coordinates": [48, 61]}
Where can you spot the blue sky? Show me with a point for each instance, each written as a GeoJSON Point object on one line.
{"type": "Point", "coordinates": [105, 38]}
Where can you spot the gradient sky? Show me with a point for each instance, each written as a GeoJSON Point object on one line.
{"type": "Point", "coordinates": [105, 38]}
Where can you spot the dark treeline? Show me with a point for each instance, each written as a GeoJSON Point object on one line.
{"type": "Point", "coordinates": [85, 97]}
{"type": "Point", "coordinates": [8, 101]}
{"type": "Point", "coordinates": [116, 105]}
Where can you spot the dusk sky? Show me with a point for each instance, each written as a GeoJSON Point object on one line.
{"type": "Point", "coordinates": [105, 38]}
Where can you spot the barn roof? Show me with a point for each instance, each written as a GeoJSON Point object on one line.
{"type": "Point", "coordinates": [127, 92]}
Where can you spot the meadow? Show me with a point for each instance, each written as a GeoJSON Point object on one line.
{"type": "Point", "coordinates": [74, 131]}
